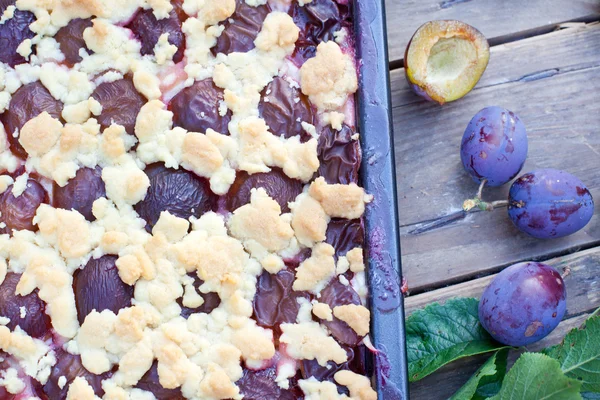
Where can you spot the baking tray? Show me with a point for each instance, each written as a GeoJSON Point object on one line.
{"type": "Point", "coordinates": [381, 217]}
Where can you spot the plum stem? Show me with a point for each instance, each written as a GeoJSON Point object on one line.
{"type": "Point", "coordinates": [595, 313]}
{"type": "Point", "coordinates": [480, 190]}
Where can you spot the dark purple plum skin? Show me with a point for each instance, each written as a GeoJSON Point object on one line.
{"type": "Point", "coordinates": [281, 112]}
{"type": "Point", "coordinates": [148, 30]}
{"type": "Point", "coordinates": [494, 146]}
{"type": "Point", "coordinates": [121, 103]}
{"type": "Point", "coordinates": [261, 385]}
{"type": "Point", "coordinates": [150, 382]}
{"type": "Point", "coordinates": [180, 192]}
{"type": "Point", "coordinates": [357, 363]}
{"type": "Point", "coordinates": [275, 301]}
{"type": "Point", "coordinates": [18, 212]}
{"type": "Point", "coordinates": [97, 286]}
{"type": "Point", "coordinates": [523, 304]}
{"type": "Point", "coordinates": [344, 235]}
{"type": "Point", "coordinates": [70, 39]}
{"type": "Point", "coordinates": [36, 323]}
{"type": "Point", "coordinates": [13, 32]}
{"type": "Point", "coordinates": [337, 294]}
{"type": "Point", "coordinates": [549, 203]}
{"type": "Point", "coordinates": [276, 183]}
{"type": "Point", "coordinates": [80, 192]}
{"type": "Point", "coordinates": [211, 300]}
{"type": "Point", "coordinates": [238, 36]}
{"type": "Point", "coordinates": [318, 21]}
{"type": "Point", "coordinates": [26, 103]}
{"type": "Point", "coordinates": [339, 155]}
{"type": "Point", "coordinates": [196, 108]}
{"type": "Point", "coordinates": [70, 366]}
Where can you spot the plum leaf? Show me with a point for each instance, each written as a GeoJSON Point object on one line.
{"type": "Point", "coordinates": [486, 381]}
{"type": "Point", "coordinates": [537, 376]}
{"type": "Point", "coordinates": [579, 355]}
{"type": "Point", "coordinates": [440, 334]}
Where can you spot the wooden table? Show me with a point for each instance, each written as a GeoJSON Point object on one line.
{"type": "Point", "coordinates": [545, 66]}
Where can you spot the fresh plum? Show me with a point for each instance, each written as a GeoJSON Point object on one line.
{"type": "Point", "coordinates": [445, 59]}
{"type": "Point", "coordinates": [549, 203]}
{"type": "Point", "coordinates": [523, 304]}
{"type": "Point", "coordinates": [494, 146]}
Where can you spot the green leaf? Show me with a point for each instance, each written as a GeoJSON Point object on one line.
{"type": "Point", "coordinates": [486, 381]}
{"type": "Point", "coordinates": [439, 334]}
{"type": "Point", "coordinates": [579, 355]}
{"type": "Point", "coordinates": [538, 377]}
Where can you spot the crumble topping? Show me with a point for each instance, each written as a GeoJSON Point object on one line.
{"type": "Point", "coordinates": [309, 220]}
{"type": "Point", "coordinates": [310, 341]}
{"type": "Point", "coordinates": [356, 316]}
{"type": "Point", "coordinates": [338, 200]}
{"type": "Point", "coordinates": [359, 386]}
{"type": "Point", "coordinates": [322, 311]}
{"type": "Point", "coordinates": [315, 272]}
{"type": "Point", "coordinates": [328, 78]}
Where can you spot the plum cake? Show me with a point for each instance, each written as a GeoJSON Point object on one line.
{"type": "Point", "coordinates": [181, 215]}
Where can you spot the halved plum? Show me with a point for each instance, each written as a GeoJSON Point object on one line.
{"type": "Point", "coordinates": [97, 286]}
{"type": "Point", "coordinates": [17, 213]}
{"type": "Point", "coordinates": [284, 107]}
{"type": "Point", "coordinates": [70, 367]}
{"type": "Point", "coordinates": [148, 30]}
{"type": "Point", "coordinates": [121, 103]}
{"type": "Point", "coordinates": [150, 382]}
{"type": "Point", "coordinates": [13, 32]}
{"type": "Point", "coordinates": [275, 301]}
{"type": "Point", "coordinates": [180, 192]}
{"type": "Point", "coordinates": [70, 39]}
{"type": "Point", "coordinates": [27, 312]}
{"type": "Point", "coordinates": [196, 108]}
{"type": "Point", "coordinates": [211, 300]}
{"type": "Point", "coordinates": [261, 385]}
{"type": "Point", "coordinates": [276, 183]}
{"type": "Point", "coordinates": [318, 20]}
{"type": "Point", "coordinates": [80, 192]}
{"type": "Point", "coordinates": [445, 59]}
{"type": "Point", "coordinates": [344, 235]}
{"type": "Point", "coordinates": [358, 358]}
{"type": "Point", "coordinates": [26, 103]}
{"type": "Point", "coordinates": [241, 28]}
{"type": "Point", "coordinates": [337, 294]}
{"type": "Point", "coordinates": [339, 155]}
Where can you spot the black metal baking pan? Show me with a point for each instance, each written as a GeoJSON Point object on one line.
{"type": "Point", "coordinates": [381, 217]}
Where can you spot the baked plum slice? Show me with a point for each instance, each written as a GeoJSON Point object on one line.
{"type": "Point", "coordinates": [318, 21]}
{"type": "Point", "coordinates": [27, 312]}
{"type": "Point", "coordinates": [180, 192]}
{"type": "Point", "coordinates": [80, 192]}
{"type": "Point", "coordinates": [13, 32]}
{"type": "Point", "coordinates": [211, 300]}
{"type": "Point", "coordinates": [70, 366]}
{"type": "Point", "coordinates": [196, 108]}
{"type": "Point", "coordinates": [276, 183]}
{"type": "Point", "coordinates": [339, 155]}
{"type": "Point", "coordinates": [121, 103]}
{"type": "Point", "coordinates": [275, 301]}
{"type": "Point", "coordinates": [337, 294]}
{"type": "Point", "coordinates": [17, 213]}
{"type": "Point", "coordinates": [70, 39]}
{"type": "Point", "coordinates": [241, 28]}
{"type": "Point", "coordinates": [26, 103]}
{"type": "Point", "coordinates": [284, 107]}
{"type": "Point", "coordinates": [344, 235]}
{"type": "Point", "coordinates": [97, 286]}
{"type": "Point", "coordinates": [356, 363]}
{"type": "Point", "coordinates": [150, 382]}
{"type": "Point", "coordinates": [261, 385]}
{"type": "Point", "coordinates": [148, 30]}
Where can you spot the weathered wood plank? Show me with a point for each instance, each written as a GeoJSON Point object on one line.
{"type": "Point", "coordinates": [582, 284]}
{"type": "Point", "coordinates": [561, 113]}
{"type": "Point", "coordinates": [445, 382]}
{"type": "Point", "coordinates": [572, 46]}
{"type": "Point", "coordinates": [493, 18]}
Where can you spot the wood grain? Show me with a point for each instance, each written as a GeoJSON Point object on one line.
{"type": "Point", "coordinates": [582, 284]}
{"type": "Point", "coordinates": [492, 17]}
{"type": "Point", "coordinates": [562, 115]}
